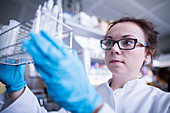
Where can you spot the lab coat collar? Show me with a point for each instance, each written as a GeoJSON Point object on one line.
{"type": "Point", "coordinates": [128, 86]}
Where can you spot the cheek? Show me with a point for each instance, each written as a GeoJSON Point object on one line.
{"type": "Point", "coordinates": [136, 58]}
{"type": "Point", "coordinates": [133, 60]}
{"type": "Point", "coordinates": [106, 57]}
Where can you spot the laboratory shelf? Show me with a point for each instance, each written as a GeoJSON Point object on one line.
{"type": "Point", "coordinates": [82, 30]}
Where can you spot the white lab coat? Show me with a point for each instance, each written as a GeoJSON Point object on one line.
{"type": "Point", "coordinates": [135, 97]}
{"type": "Point", "coordinates": [28, 103]}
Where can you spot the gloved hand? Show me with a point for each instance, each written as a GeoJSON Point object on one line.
{"type": "Point", "coordinates": [63, 73]}
{"type": "Point", "coordinates": [12, 77]}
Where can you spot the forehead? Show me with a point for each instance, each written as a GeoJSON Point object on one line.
{"type": "Point", "coordinates": [126, 28]}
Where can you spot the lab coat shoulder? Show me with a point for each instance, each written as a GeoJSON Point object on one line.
{"type": "Point", "coordinates": [140, 92]}
{"type": "Point", "coordinates": [162, 99]}
{"type": "Point", "coordinates": [26, 103]}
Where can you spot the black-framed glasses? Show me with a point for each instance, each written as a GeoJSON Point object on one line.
{"type": "Point", "coordinates": [124, 44]}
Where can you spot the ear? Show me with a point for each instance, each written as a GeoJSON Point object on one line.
{"type": "Point", "coordinates": [148, 55]}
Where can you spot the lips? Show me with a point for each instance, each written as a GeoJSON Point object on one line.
{"type": "Point", "coordinates": [115, 61]}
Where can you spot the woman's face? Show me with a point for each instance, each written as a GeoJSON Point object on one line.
{"type": "Point", "coordinates": [125, 63]}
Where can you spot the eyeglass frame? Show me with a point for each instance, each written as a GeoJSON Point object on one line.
{"type": "Point", "coordinates": [136, 41]}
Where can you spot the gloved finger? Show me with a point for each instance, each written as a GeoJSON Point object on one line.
{"type": "Point", "coordinates": [56, 42]}
{"type": "Point", "coordinates": [21, 69]}
{"type": "Point", "coordinates": [34, 51]}
{"type": "Point", "coordinates": [40, 61]}
{"type": "Point", "coordinates": [11, 70]}
{"type": "Point", "coordinates": [41, 42]}
{"type": "Point", "coordinates": [5, 68]}
{"type": "Point", "coordinates": [30, 47]}
{"type": "Point", "coordinates": [35, 48]}
{"type": "Point", "coordinates": [45, 45]}
{"type": "Point", "coordinates": [45, 75]}
{"type": "Point", "coordinates": [38, 55]}
{"type": "Point", "coordinates": [74, 53]}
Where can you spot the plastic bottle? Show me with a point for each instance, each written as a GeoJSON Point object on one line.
{"type": "Point", "coordinates": [37, 20]}
{"type": "Point", "coordinates": [3, 39]}
{"type": "Point", "coordinates": [53, 22]}
{"type": "Point", "coordinates": [13, 36]}
{"type": "Point", "coordinates": [47, 13]}
{"type": "Point", "coordinates": [60, 25]}
{"type": "Point", "coordinates": [44, 9]}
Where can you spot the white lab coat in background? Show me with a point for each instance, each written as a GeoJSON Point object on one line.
{"type": "Point", "coordinates": [28, 103]}
{"type": "Point", "coordinates": [135, 97]}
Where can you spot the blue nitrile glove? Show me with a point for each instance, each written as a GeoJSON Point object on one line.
{"type": "Point", "coordinates": [12, 77]}
{"type": "Point", "coordinates": [63, 73]}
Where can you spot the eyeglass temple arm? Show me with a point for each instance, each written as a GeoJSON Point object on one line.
{"type": "Point", "coordinates": [143, 43]}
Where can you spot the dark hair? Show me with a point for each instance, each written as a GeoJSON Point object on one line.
{"type": "Point", "coordinates": [148, 28]}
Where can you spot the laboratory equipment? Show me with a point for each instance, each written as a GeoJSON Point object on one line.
{"type": "Point", "coordinates": [48, 17]}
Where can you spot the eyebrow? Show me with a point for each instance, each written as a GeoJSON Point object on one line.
{"type": "Point", "coordinates": [121, 37]}
{"type": "Point", "coordinates": [127, 36]}
{"type": "Point", "coordinates": [108, 37]}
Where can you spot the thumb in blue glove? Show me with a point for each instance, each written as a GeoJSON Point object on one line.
{"type": "Point", "coordinates": [12, 77]}
{"type": "Point", "coordinates": [63, 73]}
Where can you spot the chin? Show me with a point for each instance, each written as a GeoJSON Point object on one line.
{"type": "Point", "coordinates": [117, 71]}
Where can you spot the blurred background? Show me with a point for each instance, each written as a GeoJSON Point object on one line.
{"type": "Point", "coordinates": [156, 11]}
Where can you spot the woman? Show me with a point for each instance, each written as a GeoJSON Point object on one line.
{"type": "Point", "coordinates": [128, 44]}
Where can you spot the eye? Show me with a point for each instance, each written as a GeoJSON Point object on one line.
{"type": "Point", "coordinates": [108, 43]}
{"type": "Point", "coordinates": [127, 42]}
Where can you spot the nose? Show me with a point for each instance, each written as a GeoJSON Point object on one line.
{"type": "Point", "coordinates": [115, 49]}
